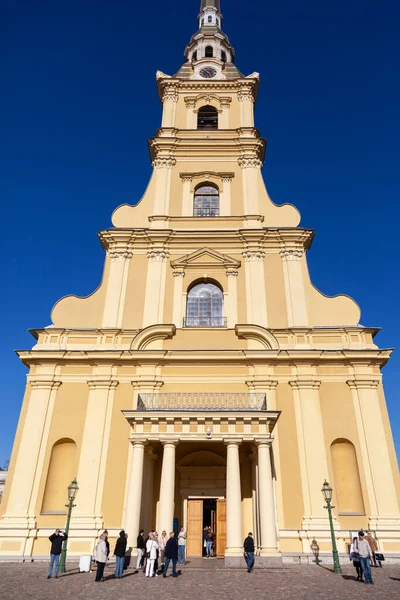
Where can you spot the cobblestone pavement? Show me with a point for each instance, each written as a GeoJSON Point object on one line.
{"type": "Point", "coordinates": [24, 581]}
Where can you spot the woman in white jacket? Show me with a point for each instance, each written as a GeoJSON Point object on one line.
{"type": "Point", "coordinates": [151, 553]}
{"type": "Point", "coordinates": [101, 557]}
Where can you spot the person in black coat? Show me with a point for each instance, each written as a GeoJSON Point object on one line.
{"type": "Point", "coordinates": [248, 546]}
{"type": "Point", "coordinates": [56, 540]}
{"type": "Point", "coordinates": [171, 553]}
{"type": "Point", "coordinates": [119, 553]}
{"type": "Point", "coordinates": [140, 545]}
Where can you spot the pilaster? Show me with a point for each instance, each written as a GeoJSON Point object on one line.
{"type": "Point", "coordinates": [155, 287]}
{"type": "Point", "coordinates": [256, 300]}
{"type": "Point", "coordinates": [294, 287]}
{"type": "Point", "coordinates": [116, 287]}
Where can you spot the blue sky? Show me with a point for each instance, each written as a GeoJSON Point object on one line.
{"type": "Point", "coordinates": [79, 103]}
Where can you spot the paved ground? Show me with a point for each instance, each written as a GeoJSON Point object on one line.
{"type": "Point", "coordinates": [25, 581]}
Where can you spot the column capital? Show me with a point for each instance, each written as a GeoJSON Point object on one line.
{"type": "Point", "coordinates": [305, 385]}
{"type": "Point", "coordinates": [164, 162]}
{"type": "Point", "coordinates": [266, 384]}
{"type": "Point", "coordinates": [363, 383]}
{"type": "Point", "coordinates": [232, 272]}
{"type": "Point", "coordinates": [292, 254]}
{"type": "Point", "coordinates": [44, 385]}
{"type": "Point", "coordinates": [251, 255]}
{"type": "Point", "coordinates": [233, 441]}
{"type": "Point", "coordinates": [136, 443]}
{"type": "Point", "coordinates": [267, 441]}
{"type": "Point", "coordinates": [169, 441]}
{"type": "Point", "coordinates": [159, 255]}
{"type": "Point", "coordinates": [109, 384]}
{"type": "Point", "coordinates": [250, 162]}
{"type": "Point", "coordinates": [178, 273]}
{"type": "Point", "coordinates": [119, 254]}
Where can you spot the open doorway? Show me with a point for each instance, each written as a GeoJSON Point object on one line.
{"type": "Point", "coordinates": [209, 520]}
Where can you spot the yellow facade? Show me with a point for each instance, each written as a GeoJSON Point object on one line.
{"type": "Point", "coordinates": [151, 405]}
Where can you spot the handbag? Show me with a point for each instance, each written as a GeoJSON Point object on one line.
{"type": "Point", "coordinates": [379, 556]}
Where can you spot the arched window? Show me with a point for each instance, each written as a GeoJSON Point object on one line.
{"type": "Point", "coordinates": [194, 56]}
{"type": "Point", "coordinates": [210, 19]}
{"type": "Point", "coordinates": [206, 201]}
{"type": "Point", "coordinates": [209, 52]}
{"type": "Point", "coordinates": [347, 478]}
{"type": "Point", "coordinates": [60, 473]}
{"type": "Point", "coordinates": [223, 56]}
{"type": "Point", "coordinates": [217, 22]}
{"type": "Point", "coordinates": [207, 118]}
{"type": "Point", "coordinates": [204, 308]}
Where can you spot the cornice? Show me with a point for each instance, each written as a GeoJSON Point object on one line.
{"type": "Point", "coordinates": [165, 82]}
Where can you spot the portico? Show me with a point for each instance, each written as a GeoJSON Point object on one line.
{"type": "Point", "coordinates": [204, 454]}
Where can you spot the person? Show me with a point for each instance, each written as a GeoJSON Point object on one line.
{"type": "Point", "coordinates": [163, 543]}
{"type": "Point", "coordinates": [209, 542]}
{"type": "Point", "coordinates": [119, 553]}
{"type": "Point", "coordinates": [171, 553]}
{"type": "Point", "coordinates": [151, 553]}
{"type": "Point", "coordinates": [363, 548]}
{"type": "Point", "coordinates": [101, 557]}
{"type": "Point", "coordinates": [140, 545]}
{"type": "Point", "coordinates": [205, 532]}
{"type": "Point", "coordinates": [56, 540]}
{"type": "Point", "coordinates": [355, 557]}
{"type": "Point", "coordinates": [248, 546]}
{"type": "Point", "coordinates": [105, 533]}
{"type": "Point", "coordinates": [181, 546]}
{"type": "Point", "coordinates": [374, 547]}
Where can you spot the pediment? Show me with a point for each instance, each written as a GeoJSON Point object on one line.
{"type": "Point", "coordinates": [205, 257]}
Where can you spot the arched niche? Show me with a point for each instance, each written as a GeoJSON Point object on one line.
{"type": "Point", "coordinates": [347, 478]}
{"type": "Point", "coordinates": [61, 471]}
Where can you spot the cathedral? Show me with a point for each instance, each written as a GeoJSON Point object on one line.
{"type": "Point", "coordinates": [206, 381]}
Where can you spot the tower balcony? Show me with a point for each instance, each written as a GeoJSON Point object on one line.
{"type": "Point", "coordinates": [202, 401]}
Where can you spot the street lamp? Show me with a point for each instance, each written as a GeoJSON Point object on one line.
{"type": "Point", "coordinates": [72, 492]}
{"type": "Point", "coordinates": [327, 494]}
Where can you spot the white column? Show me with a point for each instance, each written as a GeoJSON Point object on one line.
{"type": "Point", "coordinates": [256, 300]}
{"type": "Point", "coordinates": [246, 101]}
{"type": "Point", "coordinates": [294, 287]}
{"type": "Point", "coordinates": [312, 453]}
{"type": "Point", "coordinates": [163, 167]}
{"type": "Point", "coordinates": [177, 316]}
{"type": "Point", "coordinates": [22, 500]}
{"type": "Point", "coordinates": [93, 455]}
{"type": "Point", "coordinates": [234, 541]}
{"type": "Point", "coordinates": [187, 208]}
{"type": "Point", "coordinates": [167, 487]}
{"type": "Point", "coordinates": [251, 166]}
{"type": "Point", "coordinates": [155, 288]}
{"type": "Point", "coordinates": [225, 207]}
{"type": "Point", "coordinates": [373, 440]}
{"type": "Point", "coordinates": [269, 542]}
{"type": "Point", "coordinates": [169, 99]}
{"type": "Point", "coordinates": [255, 496]}
{"type": "Point", "coordinates": [134, 496]}
{"type": "Point", "coordinates": [231, 304]}
{"type": "Point", "coordinates": [116, 288]}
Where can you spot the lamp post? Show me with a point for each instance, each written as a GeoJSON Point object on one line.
{"type": "Point", "coordinates": [72, 492]}
{"type": "Point", "coordinates": [327, 494]}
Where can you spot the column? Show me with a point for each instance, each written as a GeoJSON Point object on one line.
{"type": "Point", "coordinates": [255, 496]}
{"type": "Point", "coordinates": [225, 208]}
{"type": "Point", "coordinates": [187, 207]}
{"type": "Point", "coordinates": [269, 541]}
{"type": "Point", "coordinates": [223, 117]}
{"type": "Point", "coordinates": [177, 316]}
{"type": "Point", "coordinates": [294, 287]}
{"type": "Point", "coordinates": [234, 541]}
{"type": "Point", "coordinates": [256, 300]}
{"type": "Point", "coordinates": [148, 490]}
{"type": "Point", "coordinates": [155, 287]}
{"type": "Point", "coordinates": [93, 455]}
{"type": "Point", "coordinates": [251, 166]}
{"type": "Point", "coordinates": [134, 496]}
{"type": "Point", "coordinates": [22, 500]}
{"type": "Point", "coordinates": [379, 476]}
{"type": "Point", "coordinates": [191, 115]}
{"type": "Point", "coordinates": [169, 99]}
{"type": "Point", "coordinates": [246, 101]}
{"type": "Point", "coordinates": [231, 308]}
{"type": "Point", "coordinates": [312, 452]}
{"type": "Point", "coordinates": [163, 167]}
{"type": "Point", "coordinates": [116, 288]}
{"type": "Point", "coordinates": [167, 487]}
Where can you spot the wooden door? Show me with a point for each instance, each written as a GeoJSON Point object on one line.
{"type": "Point", "coordinates": [194, 542]}
{"type": "Point", "coordinates": [221, 528]}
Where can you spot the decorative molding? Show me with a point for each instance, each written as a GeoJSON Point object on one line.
{"type": "Point", "coordinates": [256, 255]}
{"type": "Point", "coordinates": [245, 95]}
{"type": "Point", "coordinates": [266, 384]}
{"type": "Point", "coordinates": [151, 334]}
{"type": "Point", "coordinates": [223, 175]}
{"type": "Point", "coordinates": [165, 162]}
{"type": "Point", "coordinates": [261, 335]}
{"type": "Point", "coordinates": [232, 272]}
{"type": "Point", "coordinates": [157, 255]}
{"type": "Point", "coordinates": [44, 385]}
{"type": "Point", "coordinates": [305, 384]}
{"type": "Point", "coordinates": [110, 384]}
{"type": "Point", "coordinates": [119, 255]}
{"type": "Point", "coordinates": [178, 273]}
{"type": "Point", "coordinates": [292, 254]}
{"type": "Point", "coordinates": [206, 258]}
{"type": "Point", "coordinates": [250, 162]}
{"type": "Point", "coordinates": [363, 383]}
{"type": "Point", "coordinates": [170, 95]}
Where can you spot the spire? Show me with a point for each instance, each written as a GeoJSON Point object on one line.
{"type": "Point", "coordinates": [210, 14]}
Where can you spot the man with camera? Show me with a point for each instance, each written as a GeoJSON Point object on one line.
{"type": "Point", "coordinates": [56, 540]}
